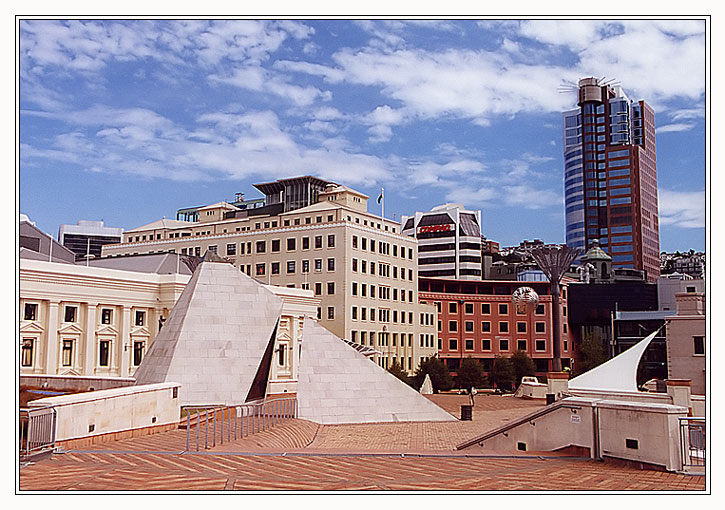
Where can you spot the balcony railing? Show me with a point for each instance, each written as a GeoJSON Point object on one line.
{"type": "Point", "coordinates": [37, 430]}
{"type": "Point", "coordinates": [693, 438]}
{"type": "Point", "coordinates": [204, 425]}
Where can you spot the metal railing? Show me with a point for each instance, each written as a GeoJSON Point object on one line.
{"type": "Point", "coordinates": [693, 441]}
{"type": "Point", "coordinates": [37, 430]}
{"type": "Point", "coordinates": [237, 421]}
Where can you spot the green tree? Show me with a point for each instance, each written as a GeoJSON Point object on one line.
{"type": "Point", "coordinates": [397, 370]}
{"type": "Point", "coordinates": [591, 354]}
{"type": "Point", "coordinates": [439, 375]}
{"type": "Point", "coordinates": [502, 374]}
{"type": "Point", "coordinates": [522, 365]}
{"type": "Point", "coordinates": [470, 374]}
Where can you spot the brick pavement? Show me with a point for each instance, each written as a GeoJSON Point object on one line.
{"type": "Point", "coordinates": [132, 471]}
{"type": "Point", "coordinates": [335, 457]}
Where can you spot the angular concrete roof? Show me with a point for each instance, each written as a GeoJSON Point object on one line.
{"type": "Point", "coordinates": [337, 384]}
{"type": "Point", "coordinates": [215, 337]}
{"type": "Point", "coordinates": [163, 223]}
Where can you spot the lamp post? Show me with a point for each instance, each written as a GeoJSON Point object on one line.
{"type": "Point", "coordinates": [554, 261]}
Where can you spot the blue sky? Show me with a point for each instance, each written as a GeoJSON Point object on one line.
{"type": "Point", "coordinates": [128, 121]}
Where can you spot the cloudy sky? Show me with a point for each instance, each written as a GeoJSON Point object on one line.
{"type": "Point", "coordinates": [128, 121]}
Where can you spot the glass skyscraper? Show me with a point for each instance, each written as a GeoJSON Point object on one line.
{"type": "Point", "coordinates": [610, 176]}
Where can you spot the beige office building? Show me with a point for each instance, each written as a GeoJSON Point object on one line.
{"type": "Point", "coordinates": [316, 235]}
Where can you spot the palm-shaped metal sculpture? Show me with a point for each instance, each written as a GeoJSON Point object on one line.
{"type": "Point", "coordinates": [554, 261]}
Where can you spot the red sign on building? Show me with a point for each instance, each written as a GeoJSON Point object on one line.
{"type": "Point", "coordinates": [434, 228]}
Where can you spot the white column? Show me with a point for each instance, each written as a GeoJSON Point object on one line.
{"type": "Point", "coordinates": [89, 357]}
{"type": "Point", "coordinates": [125, 349]}
{"type": "Point", "coordinates": [51, 339]}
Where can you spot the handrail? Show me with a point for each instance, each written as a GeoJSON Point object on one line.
{"type": "Point", "coordinates": [693, 443]}
{"type": "Point", "coordinates": [514, 423]}
{"type": "Point", "coordinates": [242, 419]}
{"type": "Point", "coordinates": [37, 429]}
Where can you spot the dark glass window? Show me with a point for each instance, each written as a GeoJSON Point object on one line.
{"type": "Point", "coordinates": [138, 349]}
{"type": "Point", "coordinates": [31, 311]}
{"type": "Point", "coordinates": [103, 353]}
{"type": "Point", "coordinates": [67, 355]}
{"type": "Point", "coordinates": [70, 313]}
{"type": "Point", "coordinates": [699, 344]}
{"type": "Point", "coordinates": [27, 354]}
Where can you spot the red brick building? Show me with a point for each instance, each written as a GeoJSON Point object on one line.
{"type": "Point", "coordinates": [478, 319]}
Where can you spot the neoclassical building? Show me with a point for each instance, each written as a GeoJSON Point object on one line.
{"type": "Point", "coordinates": [80, 320]}
{"type": "Point", "coordinates": [100, 321]}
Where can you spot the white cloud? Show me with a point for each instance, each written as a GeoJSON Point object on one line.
{"type": "Point", "coordinates": [685, 209]}
{"type": "Point", "coordinates": [577, 34]}
{"type": "Point", "coordinates": [220, 145]}
{"type": "Point", "coordinates": [688, 113]}
{"type": "Point", "coordinates": [675, 128]}
{"type": "Point", "coordinates": [656, 59]}
{"type": "Point", "coordinates": [457, 83]}
{"type": "Point", "coordinates": [258, 79]}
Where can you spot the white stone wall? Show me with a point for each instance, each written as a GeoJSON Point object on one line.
{"type": "Point", "coordinates": [651, 428]}
{"type": "Point", "coordinates": [113, 410]}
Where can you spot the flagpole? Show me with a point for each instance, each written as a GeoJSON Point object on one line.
{"type": "Point", "coordinates": [382, 206]}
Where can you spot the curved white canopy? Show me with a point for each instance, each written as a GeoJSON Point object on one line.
{"type": "Point", "coordinates": [617, 374]}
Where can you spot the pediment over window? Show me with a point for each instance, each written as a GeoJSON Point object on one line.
{"type": "Point", "coordinates": [284, 336]}
{"type": "Point", "coordinates": [71, 372]}
{"type": "Point", "coordinates": [107, 330]}
{"type": "Point", "coordinates": [140, 331]}
{"type": "Point", "coordinates": [70, 329]}
{"type": "Point", "coordinates": [31, 327]}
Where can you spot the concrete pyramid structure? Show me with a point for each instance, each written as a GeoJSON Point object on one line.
{"type": "Point", "coordinates": [337, 384]}
{"type": "Point", "coordinates": [215, 339]}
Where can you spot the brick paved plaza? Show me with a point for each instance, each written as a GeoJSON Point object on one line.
{"type": "Point", "coordinates": [301, 455]}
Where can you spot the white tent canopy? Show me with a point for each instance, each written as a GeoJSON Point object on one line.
{"type": "Point", "coordinates": [617, 374]}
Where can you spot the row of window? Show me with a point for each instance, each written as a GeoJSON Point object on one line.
{"type": "Point", "coordinates": [67, 356]}
{"type": "Point", "coordinates": [384, 248]}
{"type": "Point", "coordinates": [383, 269]}
{"type": "Point", "coordinates": [70, 314]}
{"type": "Point", "coordinates": [503, 344]}
{"type": "Point", "coordinates": [503, 326]}
{"type": "Point", "coordinates": [257, 226]}
{"type": "Point", "coordinates": [383, 292]}
{"type": "Point", "coordinates": [381, 338]}
{"type": "Point", "coordinates": [383, 315]}
{"type": "Point", "coordinates": [291, 267]}
{"type": "Point", "coordinates": [503, 308]}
